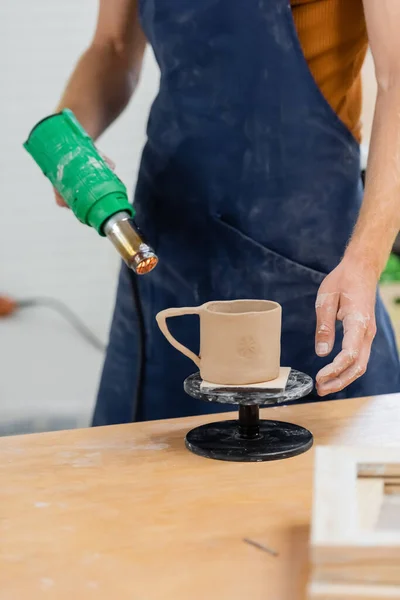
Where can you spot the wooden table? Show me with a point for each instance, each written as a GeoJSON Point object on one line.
{"type": "Point", "coordinates": [126, 512]}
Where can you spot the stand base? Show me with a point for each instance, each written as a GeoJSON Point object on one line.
{"type": "Point", "coordinates": [228, 440]}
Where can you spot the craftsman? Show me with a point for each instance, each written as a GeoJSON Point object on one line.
{"type": "Point", "coordinates": [249, 184]}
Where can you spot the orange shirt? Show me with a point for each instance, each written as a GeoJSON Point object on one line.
{"type": "Point", "coordinates": [334, 39]}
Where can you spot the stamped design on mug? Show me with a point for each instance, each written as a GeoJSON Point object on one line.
{"type": "Point", "coordinates": [247, 346]}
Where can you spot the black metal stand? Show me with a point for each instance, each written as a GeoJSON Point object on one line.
{"type": "Point", "coordinates": [249, 439]}
{"type": "Point", "coordinates": [249, 421]}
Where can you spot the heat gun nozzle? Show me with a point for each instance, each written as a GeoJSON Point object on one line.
{"type": "Point", "coordinates": [122, 232]}
{"type": "Point", "coordinates": [146, 265]}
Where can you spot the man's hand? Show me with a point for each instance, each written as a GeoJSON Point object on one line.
{"type": "Point", "coordinates": [347, 294]}
{"type": "Point", "coordinates": [60, 200]}
{"type": "Point", "coordinates": [107, 73]}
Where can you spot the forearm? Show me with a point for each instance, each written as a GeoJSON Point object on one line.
{"type": "Point", "coordinates": [379, 218]}
{"type": "Point", "coordinates": [100, 87]}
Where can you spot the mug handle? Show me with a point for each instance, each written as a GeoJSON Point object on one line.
{"type": "Point", "coordinates": [162, 323]}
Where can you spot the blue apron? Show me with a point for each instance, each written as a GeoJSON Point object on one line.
{"type": "Point", "coordinates": [249, 187]}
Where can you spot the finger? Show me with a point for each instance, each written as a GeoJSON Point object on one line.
{"type": "Point", "coordinates": [109, 162]}
{"type": "Point", "coordinates": [59, 200]}
{"type": "Point", "coordinates": [349, 375]}
{"type": "Point", "coordinates": [326, 307]}
{"type": "Point", "coordinates": [355, 330]}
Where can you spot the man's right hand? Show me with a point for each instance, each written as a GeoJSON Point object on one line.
{"type": "Point", "coordinates": [106, 75]}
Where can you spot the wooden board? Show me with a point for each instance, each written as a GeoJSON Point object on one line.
{"type": "Point", "coordinates": [127, 512]}
{"type": "Point", "coordinates": [331, 591]}
{"type": "Point", "coordinates": [355, 536]}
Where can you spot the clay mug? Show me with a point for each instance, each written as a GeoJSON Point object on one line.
{"type": "Point", "coordinates": [240, 340]}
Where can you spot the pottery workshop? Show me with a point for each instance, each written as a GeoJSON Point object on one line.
{"type": "Point", "coordinates": [200, 300]}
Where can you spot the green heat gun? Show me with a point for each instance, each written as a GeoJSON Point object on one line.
{"type": "Point", "coordinates": [68, 158]}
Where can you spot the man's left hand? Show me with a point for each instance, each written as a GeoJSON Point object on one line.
{"type": "Point", "coordinates": [347, 294]}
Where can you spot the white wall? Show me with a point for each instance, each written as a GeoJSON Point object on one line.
{"type": "Point", "coordinates": [45, 368]}
{"type": "Point", "coordinates": [369, 97]}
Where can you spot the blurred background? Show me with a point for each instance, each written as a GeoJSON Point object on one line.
{"type": "Point", "coordinates": [48, 372]}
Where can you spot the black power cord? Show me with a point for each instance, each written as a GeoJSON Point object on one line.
{"type": "Point", "coordinates": [137, 406]}
{"type": "Point", "coordinates": [63, 310]}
